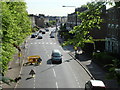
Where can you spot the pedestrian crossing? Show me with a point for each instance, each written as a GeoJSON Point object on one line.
{"type": "Point", "coordinates": [42, 43]}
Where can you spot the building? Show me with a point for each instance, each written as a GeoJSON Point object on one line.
{"type": "Point", "coordinates": [72, 19]}
{"type": "Point", "coordinates": [32, 19]}
{"type": "Point", "coordinates": [113, 30]}
{"type": "Point", "coordinates": [39, 20]}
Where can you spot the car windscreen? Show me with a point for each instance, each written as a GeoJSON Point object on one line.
{"type": "Point", "coordinates": [56, 54]}
{"type": "Point", "coordinates": [98, 88]}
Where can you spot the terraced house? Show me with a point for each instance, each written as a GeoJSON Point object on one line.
{"type": "Point", "coordinates": [113, 30]}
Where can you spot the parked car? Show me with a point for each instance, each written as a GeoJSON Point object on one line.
{"type": "Point", "coordinates": [43, 32]}
{"type": "Point", "coordinates": [52, 35]}
{"type": "Point", "coordinates": [56, 56]}
{"type": "Point", "coordinates": [40, 31]}
{"type": "Point", "coordinates": [33, 35]}
{"type": "Point", "coordinates": [36, 34]}
{"type": "Point", "coordinates": [46, 29]}
{"type": "Point", "coordinates": [40, 36]}
{"type": "Point", "coordinates": [95, 85]}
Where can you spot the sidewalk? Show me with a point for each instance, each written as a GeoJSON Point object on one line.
{"type": "Point", "coordinates": [15, 68]}
{"type": "Point", "coordinates": [92, 68]}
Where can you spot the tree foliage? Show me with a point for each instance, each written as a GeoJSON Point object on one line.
{"type": "Point", "coordinates": [90, 19]}
{"type": "Point", "coordinates": [15, 28]}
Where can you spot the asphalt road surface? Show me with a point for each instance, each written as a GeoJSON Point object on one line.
{"type": "Point", "coordinates": [68, 74]}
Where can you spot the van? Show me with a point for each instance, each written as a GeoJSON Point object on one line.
{"type": "Point", "coordinates": [95, 85]}
{"type": "Point", "coordinates": [56, 56]}
{"type": "Point", "coordinates": [52, 35]}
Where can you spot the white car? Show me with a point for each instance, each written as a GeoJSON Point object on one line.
{"type": "Point", "coordinates": [95, 85]}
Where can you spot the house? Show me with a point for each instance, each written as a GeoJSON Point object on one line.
{"type": "Point", "coordinates": [113, 30]}
{"type": "Point", "coordinates": [32, 19]}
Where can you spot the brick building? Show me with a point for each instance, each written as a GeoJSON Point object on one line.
{"type": "Point", "coordinates": [113, 30]}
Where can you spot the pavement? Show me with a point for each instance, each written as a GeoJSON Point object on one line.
{"type": "Point", "coordinates": [84, 60]}
{"type": "Point", "coordinates": [14, 69]}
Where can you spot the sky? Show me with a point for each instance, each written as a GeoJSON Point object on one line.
{"type": "Point", "coordinates": [53, 7]}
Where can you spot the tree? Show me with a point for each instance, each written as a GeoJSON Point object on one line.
{"type": "Point", "coordinates": [90, 19]}
{"type": "Point", "coordinates": [15, 28]}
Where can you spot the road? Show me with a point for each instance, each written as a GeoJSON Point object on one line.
{"type": "Point", "coordinates": [68, 74]}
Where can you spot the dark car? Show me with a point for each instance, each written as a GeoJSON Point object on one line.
{"type": "Point", "coordinates": [33, 35]}
{"type": "Point", "coordinates": [95, 85]}
{"type": "Point", "coordinates": [40, 36]}
{"type": "Point", "coordinates": [47, 29]}
{"type": "Point", "coordinates": [43, 32]}
{"type": "Point", "coordinates": [40, 31]}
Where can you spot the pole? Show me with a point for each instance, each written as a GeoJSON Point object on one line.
{"type": "Point", "coordinates": [76, 18]}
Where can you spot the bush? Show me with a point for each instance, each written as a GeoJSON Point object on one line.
{"type": "Point", "coordinates": [103, 57]}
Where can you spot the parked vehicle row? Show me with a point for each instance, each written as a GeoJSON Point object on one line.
{"type": "Point", "coordinates": [39, 33]}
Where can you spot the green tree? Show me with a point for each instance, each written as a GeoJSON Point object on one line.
{"type": "Point", "coordinates": [90, 20]}
{"type": "Point", "coordinates": [15, 28]}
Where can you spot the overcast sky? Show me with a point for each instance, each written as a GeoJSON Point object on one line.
{"type": "Point", "coordinates": [53, 7]}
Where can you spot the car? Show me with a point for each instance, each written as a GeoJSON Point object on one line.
{"type": "Point", "coordinates": [56, 56]}
{"type": "Point", "coordinates": [52, 35]}
{"type": "Point", "coordinates": [95, 85]}
{"type": "Point", "coordinates": [36, 34]}
{"type": "Point", "coordinates": [47, 29]}
{"type": "Point", "coordinates": [40, 36]}
{"type": "Point", "coordinates": [43, 32]}
{"type": "Point", "coordinates": [40, 31]}
{"type": "Point", "coordinates": [33, 35]}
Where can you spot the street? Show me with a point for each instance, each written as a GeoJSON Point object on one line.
{"type": "Point", "coordinates": [68, 74]}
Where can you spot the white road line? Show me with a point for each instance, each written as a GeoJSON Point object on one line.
{"type": "Point", "coordinates": [50, 43]}
{"type": "Point", "coordinates": [54, 43]}
{"type": "Point", "coordinates": [46, 43]}
{"type": "Point", "coordinates": [48, 55]}
{"type": "Point", "coordinates": [31, 43]}
{"type": "Point", "coordinates": [57, 85]}
{"type": "Point", "coordinates": [39, 42]}
{"type": "Point", "coordinates": [35, 43]}
{"type": "Point", "coordinates": [76, 79]}
{"type": "Point", "coordinates": [54, 72]}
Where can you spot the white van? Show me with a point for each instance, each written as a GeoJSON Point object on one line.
{"type": "Point", "coordinates": [56, 56]}
{"type": "Point", "coordinates": [95, 85]}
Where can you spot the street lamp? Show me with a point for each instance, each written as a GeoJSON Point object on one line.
{"type": "Point", "coordinates": [68, 6]}
{"type": "Point", "coordinates": [75, 13]}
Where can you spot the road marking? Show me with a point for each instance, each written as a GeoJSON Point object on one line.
{"type": "Point", "coordinates": [57, 85]}
{"type": "Point", "coordinates": [46, 43]}
{"type": "Point", "coordinates": [50, 43]}
{"type": "Point", "coordinates": [54, 43]}
{"type": "Point", "coordinates": [35, 43]}
{"type": "Point", "coordinates": [54, 72]}
{"type": "Point", "coordinates": [31, 43]}
{"type": "Point", "coordinates": [76, 79]}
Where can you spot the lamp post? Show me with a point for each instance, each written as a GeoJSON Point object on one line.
{"type": "Point", "coordinates": [75, 14]}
